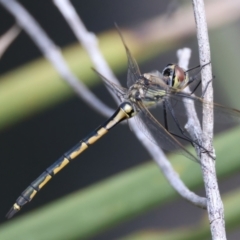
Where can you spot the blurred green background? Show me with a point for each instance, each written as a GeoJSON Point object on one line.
{"type": "Point", "coordinates": [122, 193]}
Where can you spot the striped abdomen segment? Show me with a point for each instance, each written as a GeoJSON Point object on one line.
{"type": "Point", "coordinates": [124, 111]}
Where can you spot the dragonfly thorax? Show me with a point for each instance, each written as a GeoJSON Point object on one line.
{"type": "Point", "coordinates": [147, 91]}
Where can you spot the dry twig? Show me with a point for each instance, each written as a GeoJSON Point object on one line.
{"type": "Point", "coordinates": [157, 154]}
{"type": "Point", "coordinates": [214, 202]}
{"type": "Point", "coordinates": [53, 54]}
{"type": "Point", "coordinates": [7, 38]}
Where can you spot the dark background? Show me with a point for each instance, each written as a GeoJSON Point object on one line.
{"type": "Point", "coordinates": [27, 148]}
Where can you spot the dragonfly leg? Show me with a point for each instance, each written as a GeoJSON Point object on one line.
{"type": "Point", "coordinates": [204, 91]}
{"type": "Point", "coordinates": [186, 137]}
{"type": "Point", "coordinates": [165, 116]}
{"type": "Point", "coordinates": [194, 79]}
{"type": "Point", "coordinates": [194, 90]}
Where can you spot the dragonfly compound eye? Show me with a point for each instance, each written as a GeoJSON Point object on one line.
{"type": "Point", "coordinates": [180, 74]}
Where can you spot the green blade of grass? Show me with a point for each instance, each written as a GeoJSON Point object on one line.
{"type": "Point", "coordinates": [105, 204]}
{"type": "Point", "coordinates": [37, 86]}
{"type": "Point", "coordinates": [201, 230]}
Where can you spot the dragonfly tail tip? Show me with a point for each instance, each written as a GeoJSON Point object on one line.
{"type": "Point", "coordinates": [12, 212]}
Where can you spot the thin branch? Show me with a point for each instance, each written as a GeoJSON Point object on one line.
{"type": "Point", "coordinates": [214, 202]}
{"type": "Point", "coordinates": [7, 38]}
{"type": "Point", "coordinates": [88, 40]}
{"type": "Point", "coordinates": [167, 169]}
{"type": "Point", "coordinates": [53, 54]}
{"type": "Point", "coordinates": [193, 125]}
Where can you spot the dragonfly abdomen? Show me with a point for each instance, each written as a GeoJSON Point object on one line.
{"type": "Point", "coordinates": [124, 111]}
{"type": "Point", "coordinates": [29, 193]}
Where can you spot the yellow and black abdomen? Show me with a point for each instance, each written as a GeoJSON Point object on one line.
{"type": "Point", "coordinates": [124, 111]}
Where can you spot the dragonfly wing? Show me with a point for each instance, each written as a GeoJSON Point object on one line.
{"type": "Point", "coordinates": [118, 90]}
{"type": "Point", "coordinates": [222, 114]}
{"type": "Point", "coordinates": [133, 69]}
{"type": "Point", "coordinates": [156, 133]}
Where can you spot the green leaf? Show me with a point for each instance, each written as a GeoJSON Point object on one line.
{"type": "Point", "coordinates": [90, 211]}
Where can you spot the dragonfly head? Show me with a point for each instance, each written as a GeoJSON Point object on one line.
{"type": "Point", "coordinates": [175, 76]}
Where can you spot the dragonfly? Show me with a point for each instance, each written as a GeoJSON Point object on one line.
{"type": "Point", "coordinates": [143, 92]}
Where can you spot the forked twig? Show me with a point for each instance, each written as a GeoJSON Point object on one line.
{"type": "Point", "coordinates": [193, 125]}
{"type": "Point", "coordinates": [53, 54]}
{"type": "Point", "coordinates": [87, 39]}
{"type": "Point", "coordinates": [157, 154]}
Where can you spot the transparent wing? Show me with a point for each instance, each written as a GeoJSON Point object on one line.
{"type": "Point", "coordinates": [118, 90]}
{"type": "Point", "coordinates": [222, 114]}
{"type": "Point", "coordinates": [133, 69]}
{"type": "Point", "coordinates": [159, 135]}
